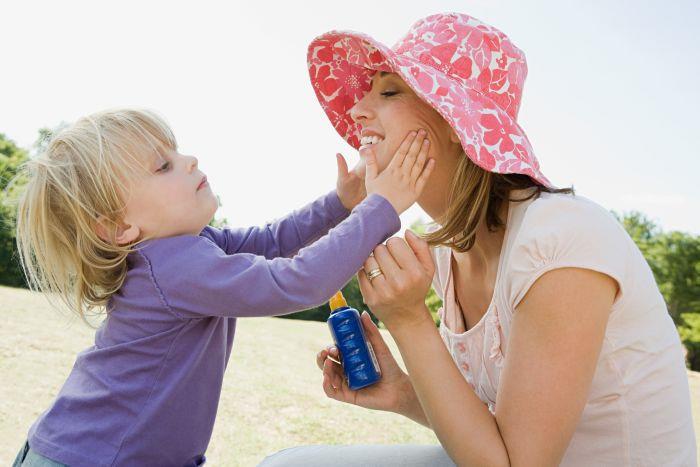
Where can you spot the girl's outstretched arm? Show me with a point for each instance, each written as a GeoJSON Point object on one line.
{"type": "Point", "coordinates": [286, 236]}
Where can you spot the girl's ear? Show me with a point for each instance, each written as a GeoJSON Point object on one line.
{"type": "Point", "coordinates": [127, 234]}
{"type": "Point", "coordinates": [122, 235]}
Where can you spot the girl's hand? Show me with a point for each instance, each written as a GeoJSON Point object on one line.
{"type": "Point", "coordinates": [393, 392]}
{"type": "Point", "coordinates": [350, 185]}
{"type": "Point", "coordinates": [402, 182]}
{"type": "Point", "coordinates": [397, 295]}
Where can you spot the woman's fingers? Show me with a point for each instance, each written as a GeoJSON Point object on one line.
{"type": "Point", "coordinates": [386, 263]}
{"type": "Point", "coordinates": [402, 254]}
{"type": "Point", "coordinates": [421, 250]}
{"type": "Point", "coordinates": [334, 384]}
{"type": "Point", "coordinates": [330, 352]}
{"type": "Point", "coordinates": [374, 336]}
{"type": "Point", "coordinates": [365, 286]}
{"type": "Point", "coordinates": [371, 265]}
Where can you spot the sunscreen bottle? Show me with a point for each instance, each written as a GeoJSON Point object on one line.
{"type": "Point", "coordinates": [356, 354]}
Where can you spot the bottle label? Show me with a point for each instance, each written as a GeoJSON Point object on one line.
{"type": "Point", "coordinates": [374, 358]}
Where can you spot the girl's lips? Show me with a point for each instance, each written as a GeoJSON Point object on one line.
{"type": "Point", "coordinates": [202, 184]}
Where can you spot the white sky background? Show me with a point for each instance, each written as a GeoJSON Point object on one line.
{"type": "Point", "coordinates": [610, 104]}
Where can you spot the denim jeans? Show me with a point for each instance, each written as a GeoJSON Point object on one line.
{"type": "Point", "coordinates": [28, 458]}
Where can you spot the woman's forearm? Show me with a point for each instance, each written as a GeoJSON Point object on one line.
{"type": "Point", "coordinates": [462, 422]}
{"type": "Point", "coordinates": [410, 406]}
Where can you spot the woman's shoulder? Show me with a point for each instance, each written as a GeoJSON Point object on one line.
{"type": "Point", "coordinates": [565, 231]}
{"type": "Point", "coordinates": [561, 214]}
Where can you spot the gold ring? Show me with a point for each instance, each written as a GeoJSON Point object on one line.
{"type": "Point", "coordinates": [374, 273]}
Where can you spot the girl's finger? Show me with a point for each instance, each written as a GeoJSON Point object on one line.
{"type": "Point", "coordinates": [410, 159]}
{"type": "Point", "coordinates": [420, 162]}
{"type": "Point", "coordinates": [424, 176]}
{"type": "Point", "coordinates": [400, 154]}
{"type": "Point", "coordinates": [342, 167]}
{"type": "Point", "coordinates": [371, 169]}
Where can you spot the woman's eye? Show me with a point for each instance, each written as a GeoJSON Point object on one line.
{"type": "Point", "coordinates": [163, 167]}
{"type": "Point", "coordinates": [388, 93]}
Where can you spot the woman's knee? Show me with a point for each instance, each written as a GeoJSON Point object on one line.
{"type": "Point", "coordinates": [360, 456]}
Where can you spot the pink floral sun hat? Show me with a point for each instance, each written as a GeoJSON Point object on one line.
{"type": "Point", "coordinates": [468, 71]}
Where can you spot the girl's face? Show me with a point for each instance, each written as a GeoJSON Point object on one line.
{"type": "Point", "coordinates": [389, 111]}
{"type": "Point", "coordinates": [173, 198]}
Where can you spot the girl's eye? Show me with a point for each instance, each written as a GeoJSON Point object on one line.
{"type": "Point", "coordinates": [163, 167]}
{"type": "Point", "coordinates": [388, 93]}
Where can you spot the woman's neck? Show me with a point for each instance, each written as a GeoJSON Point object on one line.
{"type": "Point", "coordinates": [485, 253]}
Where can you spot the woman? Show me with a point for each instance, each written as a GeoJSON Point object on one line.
{"type": "Point", "coordinates": [555, 345]}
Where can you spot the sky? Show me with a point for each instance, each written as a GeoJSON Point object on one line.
{"type": "Point", "coordinates": [610, 103]}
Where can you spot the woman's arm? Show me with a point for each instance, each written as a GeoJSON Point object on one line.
{"type": "Point", "coordinates": [556, 337]}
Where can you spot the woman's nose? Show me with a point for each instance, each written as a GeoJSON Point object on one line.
{"type": "Point", "coordinates": [362, 110]}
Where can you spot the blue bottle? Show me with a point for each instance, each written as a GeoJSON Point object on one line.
{"type": "Point", "coordinates": [357, 356]}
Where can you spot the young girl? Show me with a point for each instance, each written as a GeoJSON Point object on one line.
{"type": "Point", "coordinates": [113, 215]}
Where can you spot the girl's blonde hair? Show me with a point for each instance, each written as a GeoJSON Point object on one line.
{"type": "Point", "coordinates": [475, 195]}
{"type": "Point", "coordinates": [82, 177]}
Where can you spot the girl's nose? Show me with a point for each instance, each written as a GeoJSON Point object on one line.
{"type": "Point", "coordinates": [192, 163]}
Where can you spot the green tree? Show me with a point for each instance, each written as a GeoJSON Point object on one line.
{"type": "Point", "coordinates": [690, 335]}
{"type": "Point", "coordinates": [679, 273]}
{"type": "Point", "coordinates": [674, 258]}
{"type": "Point", "coordinates": [11, 158]}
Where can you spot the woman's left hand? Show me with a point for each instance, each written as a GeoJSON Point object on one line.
{"type": "Point", "coordinates": [351, 183]}
{"type": "Point", "coordinates": [397, 296]}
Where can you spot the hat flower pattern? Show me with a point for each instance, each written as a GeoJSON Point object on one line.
{"type": "Point", "coordinates": [468, 71]}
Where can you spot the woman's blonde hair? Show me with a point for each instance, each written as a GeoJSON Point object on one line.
{"type": "Point", "coordinates": [476, 194]}
{"type": "Point", "coordinates": [82, 177]}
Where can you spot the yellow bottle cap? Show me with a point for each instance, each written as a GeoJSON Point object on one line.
{"type": "Point", "coordinates": [337, 301]}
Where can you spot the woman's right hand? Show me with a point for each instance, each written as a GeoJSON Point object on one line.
{"type": "Point", "coordinates": [393, 392]}
{"type": "Point", "coordinates": [402, 182]}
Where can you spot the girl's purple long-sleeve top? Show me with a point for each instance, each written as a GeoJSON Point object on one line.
{"type": "Point", "coordinates": [147, 392]}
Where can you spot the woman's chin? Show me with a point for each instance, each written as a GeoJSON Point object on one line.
{"type": "Point", "coordinates": [378, 156]}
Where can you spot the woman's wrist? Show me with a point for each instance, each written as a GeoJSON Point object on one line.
{"type": "Point", "coordinates": [414, 321]}
{"type": "Point", "coordinates": [409, 405]}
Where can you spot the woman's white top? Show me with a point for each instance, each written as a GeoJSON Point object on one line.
{"type": "Point", "coordinates": [638, 410]}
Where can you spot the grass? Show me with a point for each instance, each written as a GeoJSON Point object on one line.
{"type": "Point", "coordinates": [272, 396]}
{"type": "Point", "coordinates": [271, 399]}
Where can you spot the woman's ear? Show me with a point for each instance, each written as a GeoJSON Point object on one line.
{"type": "Point", "coordinates": [118, 233]}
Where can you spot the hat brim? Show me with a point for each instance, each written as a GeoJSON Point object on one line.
{"type": "Point", "coordinates": [342, 63]}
